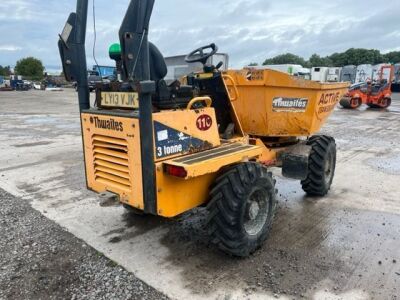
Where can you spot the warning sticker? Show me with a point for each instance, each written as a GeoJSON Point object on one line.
{"type": "Point", "coordinates": [281, 104]}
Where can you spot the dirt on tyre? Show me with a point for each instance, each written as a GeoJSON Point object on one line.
{"type": "Point", "coordinates": [242, 209]}
{"type": "Point", "coordinates": [321, 165]}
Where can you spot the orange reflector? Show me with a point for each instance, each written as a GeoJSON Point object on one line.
{"type": "Point", "coordinates": [176, 171]}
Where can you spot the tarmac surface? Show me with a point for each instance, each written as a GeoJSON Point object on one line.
{"type": "Point", "coordinates": [344, 246]}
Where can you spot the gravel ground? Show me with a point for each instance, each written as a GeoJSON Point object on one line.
{"type": "Point", "coordinates": [40, 260]}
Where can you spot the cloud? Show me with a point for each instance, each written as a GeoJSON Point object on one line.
{"type": "Point", "coordinates": [248, 30]}
{"type": "Point", "coordinates": [9, 48]}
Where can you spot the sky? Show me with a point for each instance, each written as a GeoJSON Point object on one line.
{"type": "Point", "coordinates": [248, 30]}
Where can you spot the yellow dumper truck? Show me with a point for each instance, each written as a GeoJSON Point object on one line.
{"type": "Point", "coordinates": [167, 147]}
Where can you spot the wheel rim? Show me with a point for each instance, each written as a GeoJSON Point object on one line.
{"type": "Point", "coordinates": [355, 102]}
{"type": "Point", "coordinates": [257, 210]}
{"type": "Point", "coordinates": [328, 168]}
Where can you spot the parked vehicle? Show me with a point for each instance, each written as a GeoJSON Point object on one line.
{"type": "Point", "coordinates": [375, 94]}
{"type": "Point", "coordinates": [319, 74]}
{"type": "Point", "coordinates": [104, 71]}
{"type": "Point", "coordinates": [93, 79]}
{"type": "Point", "coordinates": [22, 86]}
{"type": "Point", "coordinates": [291, 69]}
{"type": "Point", "coordinates": [364, 73]}
{"type": "Point", "coordinates": [15, 80]}
{"type": "Point", "coordinates": [397, 73]}
{"type": "Point", "coordinates": [396, 80]}
{"type": "Point", "coordinates": [378, 69]}
{"type": "Point", "coordinates": [333, 75]}
{"type": "Point", "coordinates": [53, 89]}
{"type": "Point", "coordinates": [348, 74]}
{"type": "Point", "coordinates": [37, 86]}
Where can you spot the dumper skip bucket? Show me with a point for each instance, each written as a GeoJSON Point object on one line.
{"type": "Point", "coordinates": [271, 103]}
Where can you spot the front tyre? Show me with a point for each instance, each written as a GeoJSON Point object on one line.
{"type": "Point", "coordinates": [242, 208]}
{"type": "Point", "coordinates": [321, 165]}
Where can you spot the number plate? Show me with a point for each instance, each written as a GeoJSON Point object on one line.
{"type": "Point", "coordinates": [119, 100]}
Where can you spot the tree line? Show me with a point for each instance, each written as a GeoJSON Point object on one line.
{"type": "Point", "coordinates": [30, 67]}
{"type": "Point", "coordinates": [5, 71]}
{"type": "Point", "coordinates": [353, 56]}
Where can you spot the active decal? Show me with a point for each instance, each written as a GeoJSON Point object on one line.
{"type": "Point", "coordinates": [282, 104]}
{"type": "Point", "coordinates": [204, 122]}
{"type": "Point", "coordinates": [170, 141]}
{"type": "Point", "coordinates": [109, 124]}
{"type": "Point", "coordinates": [328, 102]}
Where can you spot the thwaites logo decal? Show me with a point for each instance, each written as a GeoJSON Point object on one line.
{"type": "Point", "coordinates": [204, 122]}
{"type": "Point", "coordinates": [282, 104]}
{"type": "Point", "coordinates": [170, 141]}
{"type": "Point", "coordinates": [109, 124]}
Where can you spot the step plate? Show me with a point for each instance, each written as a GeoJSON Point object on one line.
{"type": "Point", "coordinates": [213, 160]}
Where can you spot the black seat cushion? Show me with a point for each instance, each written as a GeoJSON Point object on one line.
{"type": "Point", "coordinates": [158, 67]}
{"type": "Point", "coordinates": [168, 96]}
{"type": "Point", "coordinates": [172, 96]}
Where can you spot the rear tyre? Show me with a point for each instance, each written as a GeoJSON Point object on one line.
{"type": "Point", "coordinates": [242, 208]}
{"type": "Point", "coordinates": [321, 166]}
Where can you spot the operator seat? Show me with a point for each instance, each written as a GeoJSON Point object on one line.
{"type": "Point", "coordinates": [167, 96]}
{"type": "Point", "coordinates": [379, 87]}
{"type": "Point", "coordinates": [158, 67]}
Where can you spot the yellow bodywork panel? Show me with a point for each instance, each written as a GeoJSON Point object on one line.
{"type": "Point", "coordinates": [271, 103]}
{"type": "Point", "coordinates": [176, 195]}
{"type": "Point", "coordinates": [199, 124]}
{"type": "Point", "coordinates": [113, 157]}
{"type": "Point", "coordinates": [268, 156]}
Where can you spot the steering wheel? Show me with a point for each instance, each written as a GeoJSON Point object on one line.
{"type": "Point", "coordinates": [199, 55]}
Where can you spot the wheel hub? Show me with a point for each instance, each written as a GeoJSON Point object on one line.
{"type": "Point", "coordinates": [257, 210]}
{"type": "Point", "coordinates": [254, 209]}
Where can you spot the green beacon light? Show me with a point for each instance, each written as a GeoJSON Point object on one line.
{"type": "Point", "coordinates": [115, 52]}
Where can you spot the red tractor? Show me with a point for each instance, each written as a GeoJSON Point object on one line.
{"type": "Point", "coordinates": [376, 94]}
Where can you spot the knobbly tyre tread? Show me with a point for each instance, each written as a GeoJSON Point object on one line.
{"type": "Point", "coordinates": [314, 184]}
{"type": "Point", "coordinates": [226, 208]}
